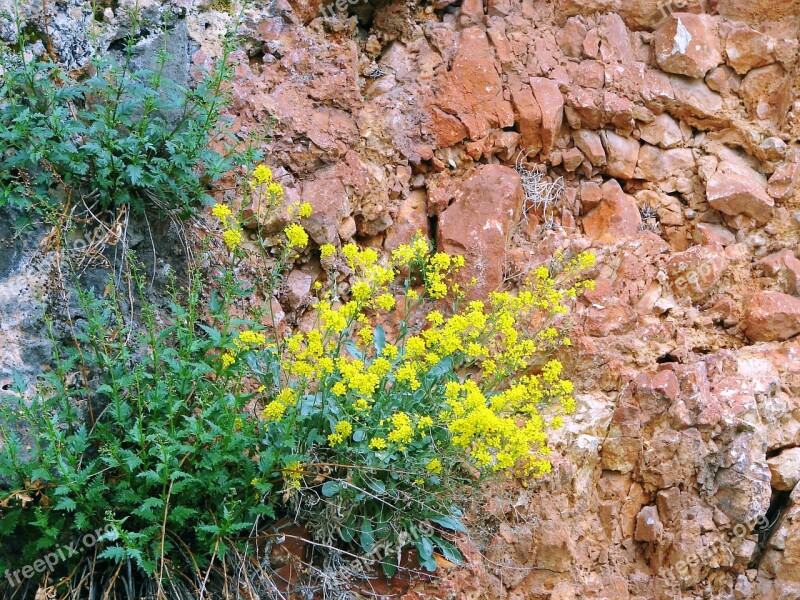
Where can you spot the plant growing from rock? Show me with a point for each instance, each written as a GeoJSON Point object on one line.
{"type": "Point", "coordinates": [115, 139]}
{"type": "Point", "coordinates": [194, 436]}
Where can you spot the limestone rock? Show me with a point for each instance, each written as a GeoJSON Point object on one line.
{"type": "Point", "coordinates": [772, 316]}
{"type": "Point", "coordinates": [551, 104]}
{"type": "Point", "coordinates": [735, 190]}
{"type": "Point", "coordinates": [747, 49]}
{"type": "Point", "coordinates": [785, 469]}
{"type": "Point", "coordinates": [688, 44]}
{"type": "Point", "coordinates": [477, 224]}
{"type": "Point", "coordinates": [615, 218]}
{"type": "Point", "coordinates": [622, 154]}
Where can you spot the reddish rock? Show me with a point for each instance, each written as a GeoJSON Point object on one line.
{"type": "Point", "coordinates": [570, 37]}
{"type": "Point", "coordinates": [571, 159]}
{"type": "Point", "coordinates": [478, 223]}
{"type": "Point", "coordinates": [688, 44]}
{"type": "Point", "coordinates": [775, 263]}
{"type": "Point", "coordinates": [662, 131]}
{"type": "Point", "coordinates": [757, 10]}
{"type": "Point", "coordinates": [696, 272]}
{"type": "Point", "coordinates": [772, 316]}
{"type": "Point", "coordinates": [784, 180]}
{"type": "Point", "coordinates": [590, 74]}
{"type": "Point", "coordinates": [655, 164]}
{"type": "Point", "coordinates": [446, 129]}
{"type": "Point", "coordinates": [785, 469]}
{"type": "Point", "coordinates": [767, 93]}
{"type": "Point", "coordinates": [331, 205]}
{"type": "Point", "coordinates": [735, 190]}
{"type": "Point", "coordinates": [649, 527]}
{"type": "Point", "coordinates": [472, 90]}
{"type": "Point", "coordinates": [551, 104]}
{"type": "Point", "coordinates": [622, 154]}
{"type": "Point", "coordinates": [591, 196]}
{"type": "Point", "coordinates": [614, 42]}
{"type": "Point", "coordinates": [591, 145]}
{"type": "Point", "coordinates": [747, 49]}
{"type": "Point", "coordinates": [711, 234]}
{"type": "Point", "coordinates": [528, 116]}
{"type": "Point", "coordinates": [615, 218]}
{"type": "Point", "coordinates": [412, 216]}
{"type": "Point", "coordinates": [306, 9]}
{"type": "Point", "coordinates": [693, 98]}
{"type": "Point", "coordinates": [298, 287]}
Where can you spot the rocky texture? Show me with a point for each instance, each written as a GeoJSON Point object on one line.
{"type": "Point", "coordinates": [478, 222]}
{"type": "Point", "coordinates": [674, 128]}
{"type": "Point", "coordinates": [772, 316]}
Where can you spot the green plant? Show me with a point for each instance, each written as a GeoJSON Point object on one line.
{"type": "Point", "coordinates": [118, 138]}
{"type": "Point", "coordinates": [193, 437]}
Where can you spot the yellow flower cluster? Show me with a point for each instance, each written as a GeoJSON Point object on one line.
{"type": "Point", "coordinates": [262, 174]}
{"type": "Point", "coordinates": [341, 432]}
{"type": "Point", "coordinates": [232, 235]}
{"type": "Point", "coordinates": [296, 236]}
{"type": "Point", "coordinates": [435, 268]}
{"type": "Point", "coordinates": [275, 409]}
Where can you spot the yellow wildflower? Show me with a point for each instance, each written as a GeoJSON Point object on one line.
{"type": "Point", "coordinates": [262, 174]}
{"type": "Point", "coordinates": [232, 238]}
{"type": "Point", "coordinates": [378, 443]}
{"type": "Point", "coordinates": [296, 235]}
{"type": "Point", "coordinates": [434, 466]}
{"type": "Point", "coordinates": [327, 250]}
{"type": "Point", "coordinates": [304, 211]}
{"type": "Point", "coordinates": [222, 212]}
{"type": "Point", "coordinates": [228, 358]}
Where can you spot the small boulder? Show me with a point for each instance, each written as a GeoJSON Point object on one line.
{"type": "Point", "coordinates": [696, 272]}
{"type": "Point", "coordinates": [589, 142]}
{"type": "Point", "coordinates": [551, 104]}
{"type": "Point", "coordinates": [785, 469]}
{"type": "Point", "coordinates": [766, 92]}
{"type": "Point", "coordinates": [649, 527]}
{"type": "Point", "coordinates": [622, 154]}
{"type": "Point", "coordinates": [735, 190]}
{"type": "Point", "coordinates": [662, 131]}
{"type": "Point", "coordinates": [477, 224]}
{"type": "Point", "coordinates": [616, 216]}
{"type": "Point", "coordinates": [747, 49]}
{"type": "Point", "coordinates": [688, 44]}
{"type": "Point", "coordinates": [772, 316]}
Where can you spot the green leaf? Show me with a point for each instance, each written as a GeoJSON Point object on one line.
{"type": "Point", "coordinates": [366, 539]}
{"type": "Point", "coordinates": [66, 505]}
{"type": "Point", "coordinates": [449, 523]}
{"type": "Point", "coordinates": [380, 338]}
{"type": "Point", "coordinates": [359, 435]}
{"type": "Point", "coordinates": [331, 488]}
{"type": "Point", "coordinates": [449, 550]}
{"type": "Point", "coordinates": [425, 554]}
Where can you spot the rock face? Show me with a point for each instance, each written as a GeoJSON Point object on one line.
{"type": "Point", "coordinates": [688, 44]}
{"type": "Point", "coordinates": [735, 190]}
{"type": "Point", "coordinates": [478, 223]}
{"type": "Point", "coordinates": [616, 216]}
{"type": "Point", "coordinates": [785, 469]}
{"type": "Point", "coordinates": [772, 316]}
{"type": "Point", "coordinates": [671, 129]}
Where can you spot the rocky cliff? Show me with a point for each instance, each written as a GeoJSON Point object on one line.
{"type": "Point", "coordinates": [661, 134]}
